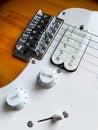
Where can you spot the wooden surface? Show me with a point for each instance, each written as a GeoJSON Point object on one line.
{"type": "Point", "coordinates": [14, 16]}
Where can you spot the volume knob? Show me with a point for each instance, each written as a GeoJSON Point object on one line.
{"type": "Point", "coordinates": [16, 98]}
{"type": "Point", "coordinates": [46, 79]}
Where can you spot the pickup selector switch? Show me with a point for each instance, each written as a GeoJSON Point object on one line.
{"type": "Point", "coordinates": [46, 79]}
{"type": "Point", "coordinates": [17, 98]}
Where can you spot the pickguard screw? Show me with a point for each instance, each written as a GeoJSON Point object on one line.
{"type": "Point", "coordinates": [65, 114]}
{"type": "Point", "coordinates": [64, 13]}
{"type": "Point", "coordinates": [33, 62]}
{"type": "Point", "coordinates": [30, 124]}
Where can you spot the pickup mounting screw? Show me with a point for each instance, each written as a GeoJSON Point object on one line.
{"type": "Point", "coordinates": [81, 27]}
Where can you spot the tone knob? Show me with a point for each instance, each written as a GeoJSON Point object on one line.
{"type": "Point", "coordinates": [46, 79]}
{"type": "Point", "coordinates": [17, 98]}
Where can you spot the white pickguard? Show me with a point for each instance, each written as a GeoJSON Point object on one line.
{"type": "Point", "coordinates": [74, 92]}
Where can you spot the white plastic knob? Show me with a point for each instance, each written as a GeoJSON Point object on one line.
{"type": "Point", "coordinates": [46, 79]}
{"type": "Point", "coordinates": [17, 98]}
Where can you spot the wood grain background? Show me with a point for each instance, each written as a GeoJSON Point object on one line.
{"type": "Point", "coordinates": [14, 16]}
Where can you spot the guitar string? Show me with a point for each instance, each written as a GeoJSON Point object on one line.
{"type": "Point", "coordinates": [90, 54]}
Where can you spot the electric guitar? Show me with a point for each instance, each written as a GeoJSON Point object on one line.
{"type": "Point", "coordinates": [58, 89]}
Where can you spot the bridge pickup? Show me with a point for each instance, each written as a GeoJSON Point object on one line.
{"type": "Point", "coordinates": [71, 48]}
{"type": "Point", "coordinates": [37, 37]}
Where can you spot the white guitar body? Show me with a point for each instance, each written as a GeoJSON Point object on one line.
{"type": "Point", "coordinates": [73, 92]}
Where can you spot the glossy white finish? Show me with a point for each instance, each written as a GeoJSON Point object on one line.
{"type": "Point", "coordinates": [76, 93]}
